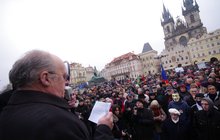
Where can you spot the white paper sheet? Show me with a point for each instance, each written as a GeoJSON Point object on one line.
{"type": "Point", "coordinates": [100, 109]}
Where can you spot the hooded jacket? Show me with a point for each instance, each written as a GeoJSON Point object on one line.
{"type": "Point", "coordinates": [207, 123]}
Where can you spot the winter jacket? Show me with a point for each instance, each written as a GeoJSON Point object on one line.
{"type": "Point", "coordinates": [33, 115]}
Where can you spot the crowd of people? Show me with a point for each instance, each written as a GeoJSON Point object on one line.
{"type": "Point", "coordinates": [187, 107]}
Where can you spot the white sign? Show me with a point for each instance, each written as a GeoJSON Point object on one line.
{"type": "Point", "coordinates": [201, 65]}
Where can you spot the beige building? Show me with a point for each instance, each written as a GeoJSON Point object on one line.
{"type": "Point", "coordinates": [77, 74]}
{"type": "Point", "coordinates": [126, 65]}
{"type": "Point", "coordinates": [149, 61]}
{"type": "Point", "coordinates": [204, 48]}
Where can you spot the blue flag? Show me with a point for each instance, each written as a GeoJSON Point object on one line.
{"type": "Point", "coordinates": [164, 75]}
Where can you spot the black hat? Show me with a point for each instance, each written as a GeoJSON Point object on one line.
{"type": "Point", "coordinates": [141, 96]}
{"type": "Point", "coordinates": [151, 94]}
{"type": "Point", "coordinates": [199, 95]}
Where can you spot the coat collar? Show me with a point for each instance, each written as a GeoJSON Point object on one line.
{"type": "Point", "coordinates": [30, 96]}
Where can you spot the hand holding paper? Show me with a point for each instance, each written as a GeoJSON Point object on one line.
{"type": "Point", "coordinates": [99, 110]}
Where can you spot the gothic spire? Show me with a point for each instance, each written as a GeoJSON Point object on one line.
{"type": "Point", "coordinates": [166, 14]}
{"type": "Point", "coordinates": [189, 6]}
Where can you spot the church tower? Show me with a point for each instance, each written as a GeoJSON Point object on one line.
{"type": "Point", "coordinates": [192, 18]}
{"type": "Point", "coordinates": [167, 23]}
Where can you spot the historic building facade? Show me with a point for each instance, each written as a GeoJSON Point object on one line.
{"type": "Point", "coordinates": [204, 48]}
{"type": "Point", "coordinates": [125, 65]}
{"type": "Point", "coordinates": [80, 74]}
{"type": "Point", "coordinates": [178, 34]}
{"type": "Point", "coordinates": [149, 61]}
{"type": "Point", "coordinates": [186, 42]}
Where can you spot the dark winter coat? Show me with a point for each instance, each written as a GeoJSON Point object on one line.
{"type": "Point", "coordinates": [174, 131]}
{"type": "Point", "coordinates": [143, 124]}
{"type": "Point", "coordinates": [207, 123]}
{"type": "Point", "coordinates": [32, 115]}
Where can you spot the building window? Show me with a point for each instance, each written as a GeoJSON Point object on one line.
{"type": "Point", "coordinates": [201, 47]}
{"type": "Point", "coordinates": [213, 44]}
{"type": "Point", "coordinates": [168, 29]}
{"type": "Point", "coordinates": [203, 54]}
{"type": "Point", "coordinates": [214, 51]}
{"type": "Point", "coordinates": [210, 52]}
{"type": "Point", "coordinates": [186, 57]}
{"type": "Point", "coordinates": [192, 18]}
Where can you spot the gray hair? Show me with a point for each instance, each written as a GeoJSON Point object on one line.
{"type": "Point", "coordinates": [26, 70]}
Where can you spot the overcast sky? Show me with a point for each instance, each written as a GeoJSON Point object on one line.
{"type": "Point", "coordinates": [90, 32]}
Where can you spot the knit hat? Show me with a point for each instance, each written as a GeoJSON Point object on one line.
{"type": "Point", "coordinates": [174, 111]}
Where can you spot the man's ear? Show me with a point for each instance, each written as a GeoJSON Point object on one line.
{"type": "Point", "coordinates": [44, 78]}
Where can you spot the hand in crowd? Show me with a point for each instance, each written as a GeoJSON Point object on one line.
{"type": "Point", "coordinates": [107, 120]}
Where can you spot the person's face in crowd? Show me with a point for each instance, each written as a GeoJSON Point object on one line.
{"type": "Point", "coordinates": [205, 105]}
{"type": "Point", "coordinates": [182, 89]}
{"type": "Point", "coordinates": [212, 74]}
{"type": "Point", "coordinates": [147, 92]}
{"type": "Point", "coordinates": [212, 90]}
{"type": "Point", "coordinates": [152, 96]}
{"type": "Point", "coordinates": [139, 90]}
{"type": "Point", "coordinates": [139, 104]}
{"type": "Point", "coordinates": [198, 100]}
{"type": "Point", "coordinates": [193, 91]}
{"type": "Point", "coordinates": [120, 95]}
{"type": "Point", "coordinates": [58, 79]}
{"type": "Point", "coordinates": [87, 102]}
{"type": "Point", "coordinates": [117, 111]}
{"type": "Point", "coordinates": [196, 80]}
{"type": "Point", "coordinates": [81, 103]}
{"type": "Point", "coordinates": [175, 97]}
{"type": "Point", "coordinates": [174, 116]}
{"type": "Point", "coordinates": [206, 72]}
{"type": "Point", "coordinates": [201, 78]}
{"type": "Point", "coordinates": [170, 91]}
{"type": "Point", "coordinates": [211, 80]}
{"type": "Point", "coordinates": [189, 80]}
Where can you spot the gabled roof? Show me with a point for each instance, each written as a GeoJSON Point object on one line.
{"type": "Point", "coordinates": [147, 48]}
{"type": "Point", "coordinates": [127, 56]}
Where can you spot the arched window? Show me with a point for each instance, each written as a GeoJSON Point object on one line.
{"type": "Point", "coordinates": [183, 41]}
{"type": "Point", "coordinates": [168, 29]}
{"type": "Point", "coordinates": [192, 18]}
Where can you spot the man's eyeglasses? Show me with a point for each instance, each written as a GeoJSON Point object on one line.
{"type": "Point", "coordinates": [65, 76]}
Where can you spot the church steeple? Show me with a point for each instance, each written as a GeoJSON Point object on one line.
{"type": "Point", "coordinates": [167, 23]}
{"type": "Point", "coordinates": [189, 7]}
{"type": "Point", "coordinates": [166, 15]}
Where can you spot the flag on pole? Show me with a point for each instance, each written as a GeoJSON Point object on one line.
{"type": "Point", "coordinates": [164, 75]}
